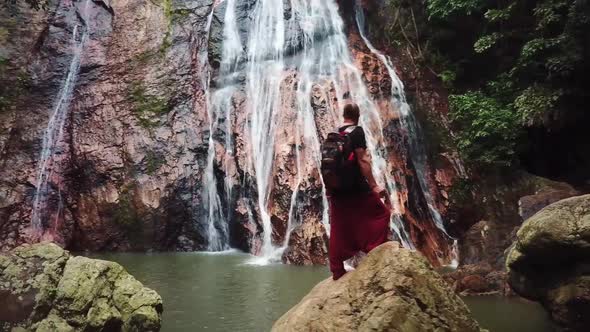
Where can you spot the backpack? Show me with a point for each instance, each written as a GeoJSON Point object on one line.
{"type": "Point", "coordinates": [338, 161]}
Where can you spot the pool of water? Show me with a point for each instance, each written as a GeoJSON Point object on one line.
{"type": "Point", "coordinates": [225, 292]}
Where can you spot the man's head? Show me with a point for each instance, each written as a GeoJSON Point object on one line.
{"type": "Point", "coordinates": [351, 113]}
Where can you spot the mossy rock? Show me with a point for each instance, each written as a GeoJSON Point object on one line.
{"type": "Point", "coordinates": [393, 289]}
{"type": "Point", "coordinates": [550, 261]}
{"type": "Point", "coordinates": [44, 288]}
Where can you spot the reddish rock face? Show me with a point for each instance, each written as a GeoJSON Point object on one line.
{"type": "Point", "coordinates": [424, 233]}
{"type": "Point", "coordinates": [128, 167]}
{"type": "Point", "coordinates": [307, 245]}
{"type": "Point", "coordinates": [132, 165]}
{"type": "Point", "coordinates": [473, 284]}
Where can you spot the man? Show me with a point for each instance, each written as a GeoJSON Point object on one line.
{"type": "Point", "coordinates": [359, 220]}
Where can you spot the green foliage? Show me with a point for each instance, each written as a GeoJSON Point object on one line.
{"type": "Point", "coordinates": [535, 102]}
{"type": "Point", "coordinates": [486, 42]}
{"type": "Point", "coordinates": [448, 77]}
{"type": "Point", "coordinates": [499, 15]}
{"type": "Point", "coordinates": [147, 108]}
{"type": "Point", "coordinates": [461, 193]}
{"type": "Point", "coordinates": [445, 8]}
{"type": "Point", "coordinates": [525, 60]}
{"type": "Point", "coordinates": [488, 129]}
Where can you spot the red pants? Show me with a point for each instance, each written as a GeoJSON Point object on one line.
{"type": "Point", "coordinates": [357, 223]}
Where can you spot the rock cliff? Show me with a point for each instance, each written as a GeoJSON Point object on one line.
{"type": "Point", "coordinates": [44, 288]}
{"type": "Point", "coordinates": [130, 126]}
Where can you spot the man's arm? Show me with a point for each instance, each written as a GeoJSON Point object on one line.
{"type": "Point", "coordinates": [364, 160]}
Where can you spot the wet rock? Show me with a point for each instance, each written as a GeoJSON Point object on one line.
{"type": "Point", "coordinates": [550, 261]}
{"type": "Point", "coordinates": [531, 204]}
{"type": "Point", "coordinates": [44, 288]}
{"type": "Point", "coordinates": [392, 289]}
{"type": "Point", "coordinates": [478, 279]}
{"type": "Point", "coordinates": [477, 237]}
{"type": "Point", "coordinates": [474, 284]}
{"type": "Point", "coordinates": [307, 245]}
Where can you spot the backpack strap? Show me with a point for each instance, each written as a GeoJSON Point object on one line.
{"type": "Point", "coordinates": [351, 156]}
{"type": "Point", "coordinates": [348, 130]}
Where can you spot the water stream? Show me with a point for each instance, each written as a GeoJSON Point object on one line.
{"type": "Point", "coordinates": [44, 213]}
{"type": "Point", "coordinates": [409, 123]}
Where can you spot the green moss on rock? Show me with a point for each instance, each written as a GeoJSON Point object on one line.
{"type": "Point", "coordinates": [50, 290]}
{"type": "Point", "coordinates": [13, 82]}
{"type": "Point", "coordinates": [125, 212]}
{"type": "Point", "coordinates": [549, 260]}
{"type": "Point", "coordinates": [153, 162]}
{"type": "Point", "coordinates": [147, 108]}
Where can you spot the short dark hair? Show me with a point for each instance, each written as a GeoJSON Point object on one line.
{"type": "Point", "coordinates": [351, 112]}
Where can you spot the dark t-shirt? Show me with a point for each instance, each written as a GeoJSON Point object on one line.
{"type": "Point", "coordinates": [357, 141]}
{"type": "Point", "coordinates": [357, 137]}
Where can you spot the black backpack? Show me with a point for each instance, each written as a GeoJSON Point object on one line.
{"type": "Point", "coordinates": [338, 161]}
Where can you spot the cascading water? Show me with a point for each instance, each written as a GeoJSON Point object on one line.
{"type": "Point", "coordinates": [42, 212]}
{"type": "Point", "coordinates": [325, 58]}
{"type": "Point", "coordinates": [408, 122]}
{"type": "Point", "coordinates": [219, 104]}
{"type": "Point", "coordinates": [264, 73]}
{"type": "Point", "coordinates": [302, 40]}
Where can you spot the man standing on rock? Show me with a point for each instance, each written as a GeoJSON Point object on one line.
{"type": "Point", "coordinates": [359, 220]}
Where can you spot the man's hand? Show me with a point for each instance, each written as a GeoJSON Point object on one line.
{"type": "Point", "coordinates": [379, 191]}
{"type": "Point", "coordinates": [382, 194]}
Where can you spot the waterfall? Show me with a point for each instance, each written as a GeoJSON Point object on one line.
{"type": "Point", "coordinates": [303, 40]}
{"type": "Point", "coordinates": [41, 211]}
{"type": "Point", "coordinates": [219, 107]}
{"type": "Point", "coordinates": [454, 255]}
{"type": "Point", "coordinates": [409, 124]}
{"type": "Point", "coordinates": [325, 57]}
{"type": "Point", "coordinates": [264, 73]}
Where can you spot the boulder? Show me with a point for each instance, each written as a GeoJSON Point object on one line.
{"type": "Point", "coordinates": [44, 288]}
{"type": "Point", "coordinates": [530, 204]}
{"type": "Point", "coordinates": [550, 261]}
{"type": "Point", "coordinates": [393, 289]}
{"type": "Point", "coordinates": [307, 245]}
{"type": "Point", "coordinates": [478, 279]}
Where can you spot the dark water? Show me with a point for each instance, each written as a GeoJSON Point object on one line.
{"type": "Point", "coordinates": [498, 314]}
{"type": "Point", "coordinates": [222, 292]}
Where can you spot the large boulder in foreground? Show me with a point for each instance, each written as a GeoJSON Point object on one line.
{"type": "Point", "coordinates": [550, 262]}
{"type": "Point", "coordinates": [392, 289]}
{"type": "Point", "coordinates": [44, 288]}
